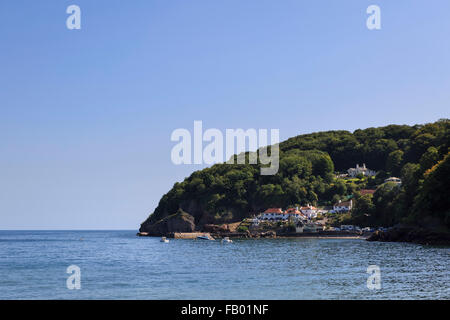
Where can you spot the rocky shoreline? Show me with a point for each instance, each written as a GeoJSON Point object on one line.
{"type": "Point", "coordinates": [262, 235]}
{"type": "Point", "coordinates": [398, 234]}
{"type": "Point", "coordinates": [182, 225]}
{"type": "Point", "coordinates": [413, 235]}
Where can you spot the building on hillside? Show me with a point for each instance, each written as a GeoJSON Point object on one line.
{"type": "Point", "coordinates": [343, 206]}
{"type": "Point", "coordinates": [394, 179]}
{"type": "Point", "coordinates": [273, 214]}
{"type": "Point", "coordinates": [277, 214]}
{"type": "Point", "coordinates": [309, 211]}
{"type": "Point", "coordinates": [295, 214]}
{"type": "Point", "coordinates": [353, 172]}
{"type": "Point", "coordinates": [322, 211]}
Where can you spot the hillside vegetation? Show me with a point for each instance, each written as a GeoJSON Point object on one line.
{"type": "Point", "coordinates": [418, 154]}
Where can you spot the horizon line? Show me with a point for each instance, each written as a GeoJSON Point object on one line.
{"type": "Point", "coordinates": [69, 229]}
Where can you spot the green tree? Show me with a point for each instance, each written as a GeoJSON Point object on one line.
{"type": "Point", "coordinates": [394, 162]}
{"type": "Point", "coordinates": [429, 159]}
{"type": "Point", "coordinates": [433, 200]}
{"type": "Point", "coordinates": [363, 209]}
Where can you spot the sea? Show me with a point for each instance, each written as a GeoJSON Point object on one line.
{"type": "Point", "coordinates": [120, 265]}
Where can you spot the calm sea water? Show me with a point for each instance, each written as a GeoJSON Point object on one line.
{"type": "Point", "coordinates": [119, 265]}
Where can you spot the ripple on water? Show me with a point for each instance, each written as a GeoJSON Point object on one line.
{"type": "Point", "coordinates": [119, 265]}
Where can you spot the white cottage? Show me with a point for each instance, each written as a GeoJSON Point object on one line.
{"type": "Point", "coordinates": [309, 211]}
{"type": "Point", "coordinates": [343, 206]}
{"type": "Point", "coordinates": [353, 172]}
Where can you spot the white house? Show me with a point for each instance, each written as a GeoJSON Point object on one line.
{"type": "Point", "coordinates": [353, 172]}
{"type": "Point", "coordinates": [273, 214]}
{"type": "Point", "coordinates": [276, 214]}
{"type": "Point", "coordinates": [394, 179]}
{"type": "Point", "coordinates": [295, 214]}
{"type": "Point", "coordinates": [343, 206]}
{"type": "Point", "coordinates": [309, 211]}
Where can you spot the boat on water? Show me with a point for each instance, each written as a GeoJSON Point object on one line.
{"type": "Point", "coordinates": [164, 239]}
{"type": "Point", "coordinates": [227, 240]}
{"type": "Point", "coordinates": [205, 238]}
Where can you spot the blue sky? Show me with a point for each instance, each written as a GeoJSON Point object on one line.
{"type": "Point", "coordinates": [86, 115]}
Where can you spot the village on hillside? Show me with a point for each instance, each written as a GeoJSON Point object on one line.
{"type": "Point", "coordinates": [314, 219]}
{"type": "Point", "coordinates": [321, 218]}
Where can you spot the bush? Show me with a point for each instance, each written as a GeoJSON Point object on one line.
{"type": "Point", "coordinates": [242, 229]}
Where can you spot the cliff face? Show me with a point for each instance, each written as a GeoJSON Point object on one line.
{"type": "Point", "coordinates": [178, 222]}
{"type": "Point", "coordinates": [191, 216]}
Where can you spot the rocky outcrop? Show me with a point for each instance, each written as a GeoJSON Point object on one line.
{"type": "Point", "coordinates": [202, 217]}
{"type": "Point", "coordinates": [266, 234]}
{"type": "Point", "coordinates": [179, 222]}
{"type": "Point", "coordinates": [215, 228]}
{"type": "Point", "coordinates": [411, 234]}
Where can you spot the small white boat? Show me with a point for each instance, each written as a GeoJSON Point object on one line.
{"type": "Point", "coordinates": [164, 239]}
{"type": "Point", "coordinates": [204, 238]}
{"type": "Point", "coordinates": [227, 240]}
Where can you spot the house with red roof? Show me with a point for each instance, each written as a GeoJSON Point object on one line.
{"type": "Point", "coordinates": [273, 214]}
{"type": "Point", "coordinates": [309, 211]}
{"type": "Point", "coordinates": [295, 213]}
{"type": "Point", "coordinates": [277, 214]}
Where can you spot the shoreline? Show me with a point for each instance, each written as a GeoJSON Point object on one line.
{"type": "Point", "coordinates": [264, 235]}
{"type": "Point", "coordinates": [399, 234]}
{"type": "Point", "coordinates": [324, 237]}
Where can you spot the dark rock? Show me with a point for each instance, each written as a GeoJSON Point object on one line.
{"type": "Point", "coordinates": [178, 222]}
{"type": "Point", "coordinates": [215, 228]}
{"type": "Point", "coordinates": [268, 234]}
{"type": "Point", "coordinates": [412, 234]}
